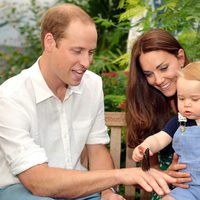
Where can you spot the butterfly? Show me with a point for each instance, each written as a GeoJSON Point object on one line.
{"type": "Point", "coordinates": [145, 161]}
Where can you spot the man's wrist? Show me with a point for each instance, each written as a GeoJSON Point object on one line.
{"type": "Point", "coordinates": [115, 189]}
{"type": "Point", "coordinates": [111, 189]}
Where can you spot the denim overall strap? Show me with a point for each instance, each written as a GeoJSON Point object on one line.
{"type": "Point", "coordinates": [187, 145]}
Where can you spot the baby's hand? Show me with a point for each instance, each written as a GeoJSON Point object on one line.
{"type": "Point", "coordinates": [138, 152]}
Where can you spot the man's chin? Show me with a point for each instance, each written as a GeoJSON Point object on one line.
{"type": "Point", "coordinates": [75, 83]}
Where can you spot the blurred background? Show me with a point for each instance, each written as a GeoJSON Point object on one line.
{"type": "Point", "coordinates": [119, 23]}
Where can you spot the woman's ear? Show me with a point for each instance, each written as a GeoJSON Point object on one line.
{"type": "Point", "coordinates": [49, 42]}
{"type": "Point", "coordinates": [181, 57]}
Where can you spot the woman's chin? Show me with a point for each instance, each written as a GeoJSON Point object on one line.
{"type": "Point", "coordinates": [169, 93]}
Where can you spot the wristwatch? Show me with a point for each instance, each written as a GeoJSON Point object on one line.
{"type": "Point", "coordinates": [115, 189]}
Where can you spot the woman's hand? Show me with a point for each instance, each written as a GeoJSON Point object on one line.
{"type": "Point", "coordinates": [181, 177]}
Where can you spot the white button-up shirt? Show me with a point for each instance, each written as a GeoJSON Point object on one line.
{"type": "Point", "coordinates": [36, 127]}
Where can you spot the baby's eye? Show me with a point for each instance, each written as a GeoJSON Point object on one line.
{"type": "Point", "coordinates": [180, 98]}
{"type": "Point", "coordinates": [195, 99]}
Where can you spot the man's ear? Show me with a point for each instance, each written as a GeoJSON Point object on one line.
{"type": "Point", "coordinates": [181, 57]}
{"type": "Point", "coordinates": [49, 42]}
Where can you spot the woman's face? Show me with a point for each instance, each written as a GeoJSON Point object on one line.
{"type": "Point", "coordinates": [160, 69]}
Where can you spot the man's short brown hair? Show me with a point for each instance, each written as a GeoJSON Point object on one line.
{"type": "Point", "coordinates": [57, 19]}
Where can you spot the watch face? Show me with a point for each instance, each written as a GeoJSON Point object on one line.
{"type": "Point", "coordinates": [115, 189]}
{"type": "Point", "coordinates": [145, 161]}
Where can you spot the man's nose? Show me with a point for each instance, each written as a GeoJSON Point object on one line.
{"type": "Point", "coordinates": [86, 60]}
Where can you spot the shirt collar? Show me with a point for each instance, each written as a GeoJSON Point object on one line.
{"type": "Point", "coordinates": [75, 89]}
{"type": "Point", "coordinates": [42, 91]}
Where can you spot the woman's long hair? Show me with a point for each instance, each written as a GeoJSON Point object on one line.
{"type": "Point", "coordinates": [147, 109]}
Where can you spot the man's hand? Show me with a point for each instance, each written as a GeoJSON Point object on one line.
{"type": "Point", "coordinates": [149, 181]}
{"type": "Point", "coordinates": [181, 177]}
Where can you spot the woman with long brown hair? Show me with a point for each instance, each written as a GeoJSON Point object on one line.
{"type": "Point", "coordinates": [151, 93]}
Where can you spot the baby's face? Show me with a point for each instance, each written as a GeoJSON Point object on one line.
{"type": "Point", "coordinates": [188, 92]}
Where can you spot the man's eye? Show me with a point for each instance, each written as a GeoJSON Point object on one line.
{"type": "Point", "coordinates": [91, 52]}
{"type": "Point", "coordinates": [77, 51]}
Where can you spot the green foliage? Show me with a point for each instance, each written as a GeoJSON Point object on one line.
{"type": "Point", "coordinates": [111, 34]}
{"type": "Point", "coordinates": [106, 62]}
{"type": "Point", "coordinates": [190, 39]}
{"type": "Point", "coordinates": [112, 102]}
{"type": "Point", "coordinates": [16, 59]}
{"type": "Point", "coordinates": [180, 17]}
{"type": "Point", "coordinates": [108, 55]}
{"type": "Point", "coordinates": [114, 86]}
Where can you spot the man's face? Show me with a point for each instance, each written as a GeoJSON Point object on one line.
{"type": "Point", "coordinates": [73, 54]}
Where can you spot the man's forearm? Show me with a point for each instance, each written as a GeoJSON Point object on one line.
{"type": "Point", "coordinates": [54, 182]}
{"type": "Point", "coordinates": [99, 157]}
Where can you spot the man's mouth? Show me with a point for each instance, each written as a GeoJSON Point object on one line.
{"type": "Point", "coordinates": [78, 73]}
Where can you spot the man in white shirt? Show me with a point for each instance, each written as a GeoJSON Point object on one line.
{"type": "Point", "coordinates": [50, 111]}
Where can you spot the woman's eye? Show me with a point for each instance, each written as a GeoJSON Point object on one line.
{"type": "Point", "coordinates": [147, 75]}
{"type": "Point", "coordinates": [164, 67]}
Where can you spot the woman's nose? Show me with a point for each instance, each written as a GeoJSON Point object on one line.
{"type": "Point", "coordinates": [158, 79]}
{"type": "Point", "coordinates": [85, 61]}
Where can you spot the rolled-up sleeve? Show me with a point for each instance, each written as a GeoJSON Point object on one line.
{"type": "Point", "coordinates": [99, 131]}
{"type": "Point", "coordinates": [18, 147]}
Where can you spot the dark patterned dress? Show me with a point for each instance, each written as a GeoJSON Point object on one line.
{"type": "Point", "coordinates": [164, 162]}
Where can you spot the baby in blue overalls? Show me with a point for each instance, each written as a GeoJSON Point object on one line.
{"type": "Point", "coordinates": [184, 130]}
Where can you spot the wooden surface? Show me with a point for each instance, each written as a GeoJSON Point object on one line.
{"type": "Point", "coordinates": [116, 122]}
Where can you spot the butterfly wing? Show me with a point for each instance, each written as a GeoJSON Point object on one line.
{"type": "Point", "coordinates": [145, 161]}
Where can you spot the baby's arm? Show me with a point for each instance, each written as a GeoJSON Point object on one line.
{"type": "Point", "coordinates": [155, 143]}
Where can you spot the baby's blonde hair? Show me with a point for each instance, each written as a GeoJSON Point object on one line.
{"type": "Point", "coordinates": [191, 71]}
